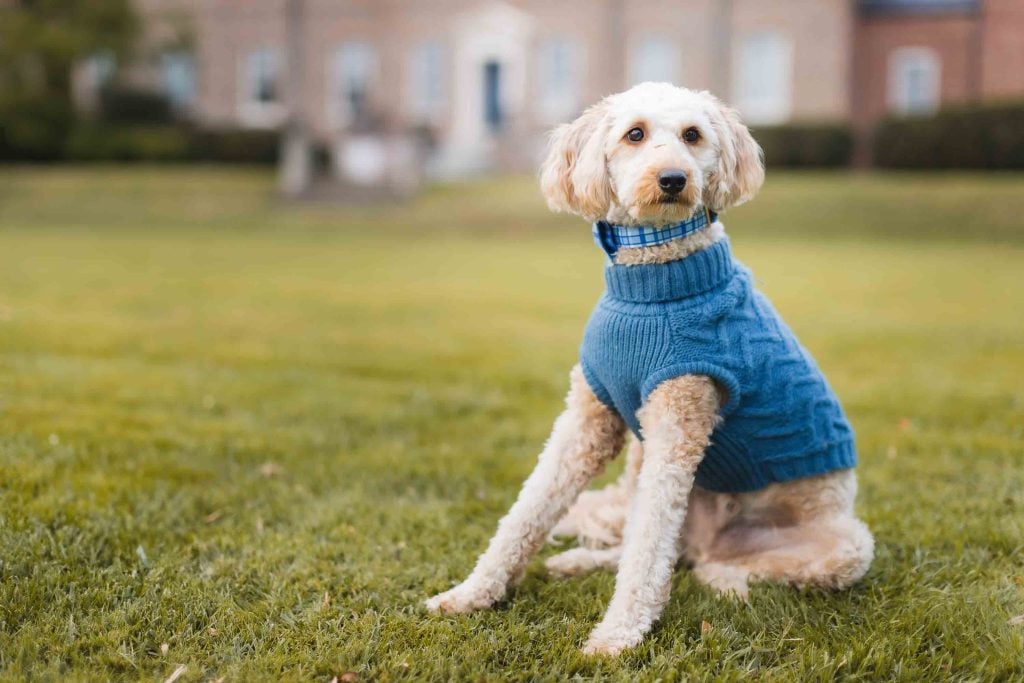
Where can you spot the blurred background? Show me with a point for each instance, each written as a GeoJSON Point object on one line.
{"type": "Point", "coordinates": [284, 322]}
{"type": "Point", "coordinates": [388, 92]}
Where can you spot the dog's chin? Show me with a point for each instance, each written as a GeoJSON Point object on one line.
{"type": "Point", "coordinates": [665, 210]}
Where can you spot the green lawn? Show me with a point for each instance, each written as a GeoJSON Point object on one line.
{"type": "Point", "coordinates": [250, 438]}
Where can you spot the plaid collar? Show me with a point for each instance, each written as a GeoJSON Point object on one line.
{"type": "Point", "coordinates": [611, 237]}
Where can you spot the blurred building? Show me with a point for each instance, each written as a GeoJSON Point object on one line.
{"type": "Point", "coordinates": [479, 81]}
{"type": "Point", "coordinates": [912, 56]}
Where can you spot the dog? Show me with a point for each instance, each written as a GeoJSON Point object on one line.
{"type": "Point", "coordinates": [742, 459]}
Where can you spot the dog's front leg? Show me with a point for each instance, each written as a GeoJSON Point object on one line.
{"type": "Point", "coordinates": [676, 420]}
{"type": "Point", "coordinates": [584, 438]}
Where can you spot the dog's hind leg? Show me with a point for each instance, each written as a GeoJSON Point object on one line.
{"type": "Point", "coordinates": [677, 420]}
{"type": "Point", "coordinates": [802, 532]}
{"type": "Point", "coordinates": [585, 437]}
{"type": "Point", "coordinates": [831, 554]}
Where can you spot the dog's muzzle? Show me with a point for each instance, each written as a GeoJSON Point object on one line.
{"type": "Point", "coordinates": [672, 181]}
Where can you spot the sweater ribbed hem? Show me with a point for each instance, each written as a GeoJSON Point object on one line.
{"type": "Point", "coordinates": [699, 272]}
{"type": "Point", "coordinates": [739, 473]}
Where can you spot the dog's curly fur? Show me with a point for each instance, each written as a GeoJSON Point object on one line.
{"type": "Point", "coordinates": [803, 532]}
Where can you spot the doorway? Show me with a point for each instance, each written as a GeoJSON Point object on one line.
{"type": "Point", "coordinates": [494, 116]}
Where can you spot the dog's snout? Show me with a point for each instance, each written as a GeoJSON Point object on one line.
{"type": "Point", "coordinates": [672, 181]}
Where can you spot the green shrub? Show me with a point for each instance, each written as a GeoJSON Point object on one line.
{"type": "Point", "coordinates": [123, 104]}
{"type": "Point", "coordinates": [33, 127]}
{"type": "Point", "coordinates": [170, 143]}
{"type": "Point", "coordinates": [985, 137]}
{"type": "Point", "coordinates": [128, 143]}
{"type": "Point", "coordinates": [234, 145]}
{"type": "Point", "coordinates": [799, 145]}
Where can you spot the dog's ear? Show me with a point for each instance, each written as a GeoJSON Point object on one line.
{"type": "Point", "coordinates": [574, 175]}
{"type": "Point", "coordinates": [740, 171]}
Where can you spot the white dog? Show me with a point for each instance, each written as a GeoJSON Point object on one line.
{"type": "Point", "coordinates": [743, 458]}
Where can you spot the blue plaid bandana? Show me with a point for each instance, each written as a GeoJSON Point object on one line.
{"type": "Point", "coordinates": [611, 237]}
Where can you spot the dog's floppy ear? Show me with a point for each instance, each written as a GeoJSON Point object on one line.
{"type": "Point", "coordinates": [574, 175]}
{"type": "Point", "coordinates": [740, 171]}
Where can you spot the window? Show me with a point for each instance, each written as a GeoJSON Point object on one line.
{"type": "Point", "coordinates": [353, 73]}
{"type": "Point", "coordinates": [763, 81]}
{"type": "Point", "coordinates": [914, 80]}
{"type": "Point", "coordinates": [655, 58]}
{"type": "Point", "coordinates": [178, 77]}
{"type": "Point", "coordinates": [100, 69]}
{"type": "Point", "coordinates": [261, 101]}
{"type": "Point", "coordinates": [426, 80]}
{"type": "Point", "coordinates": [558, 79]}
{"type": "Point", "coordinates": [263, 76]}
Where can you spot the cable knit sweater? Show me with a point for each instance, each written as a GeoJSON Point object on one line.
{"type": "Point", "coordinates": [702, 315]}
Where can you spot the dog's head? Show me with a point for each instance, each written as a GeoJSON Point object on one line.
{"type": "Point", "coordinates": [651, 155]}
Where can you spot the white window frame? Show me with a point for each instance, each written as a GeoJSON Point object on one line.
{"type": "Point", "coordinates": [904, 60]}
{"type": "Point", "coordinates": [350, 61]}
{"type": "Point", "coordinates": [560, 64]}
{"type": "Point", "coordinates": [252, 111]}
{"type": "Point", "coordinates": [763, 78]}
{"type": "Point", "coordinates": [655, 57]}
{"type": "Point", "coordinates": [426, 81]}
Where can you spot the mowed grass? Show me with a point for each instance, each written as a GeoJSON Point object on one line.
{"type": "Point", "coordinates": [250, 438]}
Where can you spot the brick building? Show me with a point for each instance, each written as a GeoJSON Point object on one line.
{"type": "Point", "coordinates": [484, 78]}
{"type": "Point", "coordinates": [912, 56]}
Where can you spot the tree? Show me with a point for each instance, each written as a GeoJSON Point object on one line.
{"type": "Point", "coordinates": [41, 41]}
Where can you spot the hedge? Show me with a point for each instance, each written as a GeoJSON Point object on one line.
{"type": "Point", "coordinates": [121, 105]}
{"type": "Point", "coordinates": [31, 126]}
{"type": "Point", "coordinates": [234, 145]}
{"type": "Point", "coordinates": [169, 143]}
{"type": "Point", "coordinates": [127, 143]}
{"type": "Point", "coordinates": [804, 145]}
{"type": "Point", "coordinates": [985, 137]}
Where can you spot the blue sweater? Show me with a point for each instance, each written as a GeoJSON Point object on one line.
{"type": "Point", "coordinates": [701, 315]}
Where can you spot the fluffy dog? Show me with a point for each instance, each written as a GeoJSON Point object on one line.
{"type": "Point", "coordinates": [742, 462]}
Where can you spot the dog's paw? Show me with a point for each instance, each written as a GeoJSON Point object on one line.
{"type": "Point", "coordinates": [581, 560]}
{"type": "Point", "coordinates": [467, 597]}
{"type": "Point", "coordinates": [565, 528]}
{"type": "Point", "coordinates": [612, 639]}
{"type": "Point", "coordinates": [570, 563]}
{"type": "Point", "coordinates": [727, 580]}
{"type": "Point", "coordinates": [596, 518]}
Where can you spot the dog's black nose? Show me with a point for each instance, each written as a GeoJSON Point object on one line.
{"type": "Point", "coordinates": [672, 181]}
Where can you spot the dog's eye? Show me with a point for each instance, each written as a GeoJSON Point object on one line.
{"type": "Point", "coordinates": [691, 135]}
{"type": "Point", "coordinates": [635, 134]}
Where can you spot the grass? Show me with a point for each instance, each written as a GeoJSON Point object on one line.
{"type": "Point", "coordinates": [250, 439]}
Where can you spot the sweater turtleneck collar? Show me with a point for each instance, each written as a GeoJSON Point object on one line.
{"type": "Point", "coordinates": [700, 272]}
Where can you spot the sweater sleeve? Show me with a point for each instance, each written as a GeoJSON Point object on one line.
{"type": "Point", "coordinates": [596, 386]}
{"type": "Point", "coordinates": [726, 379]}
